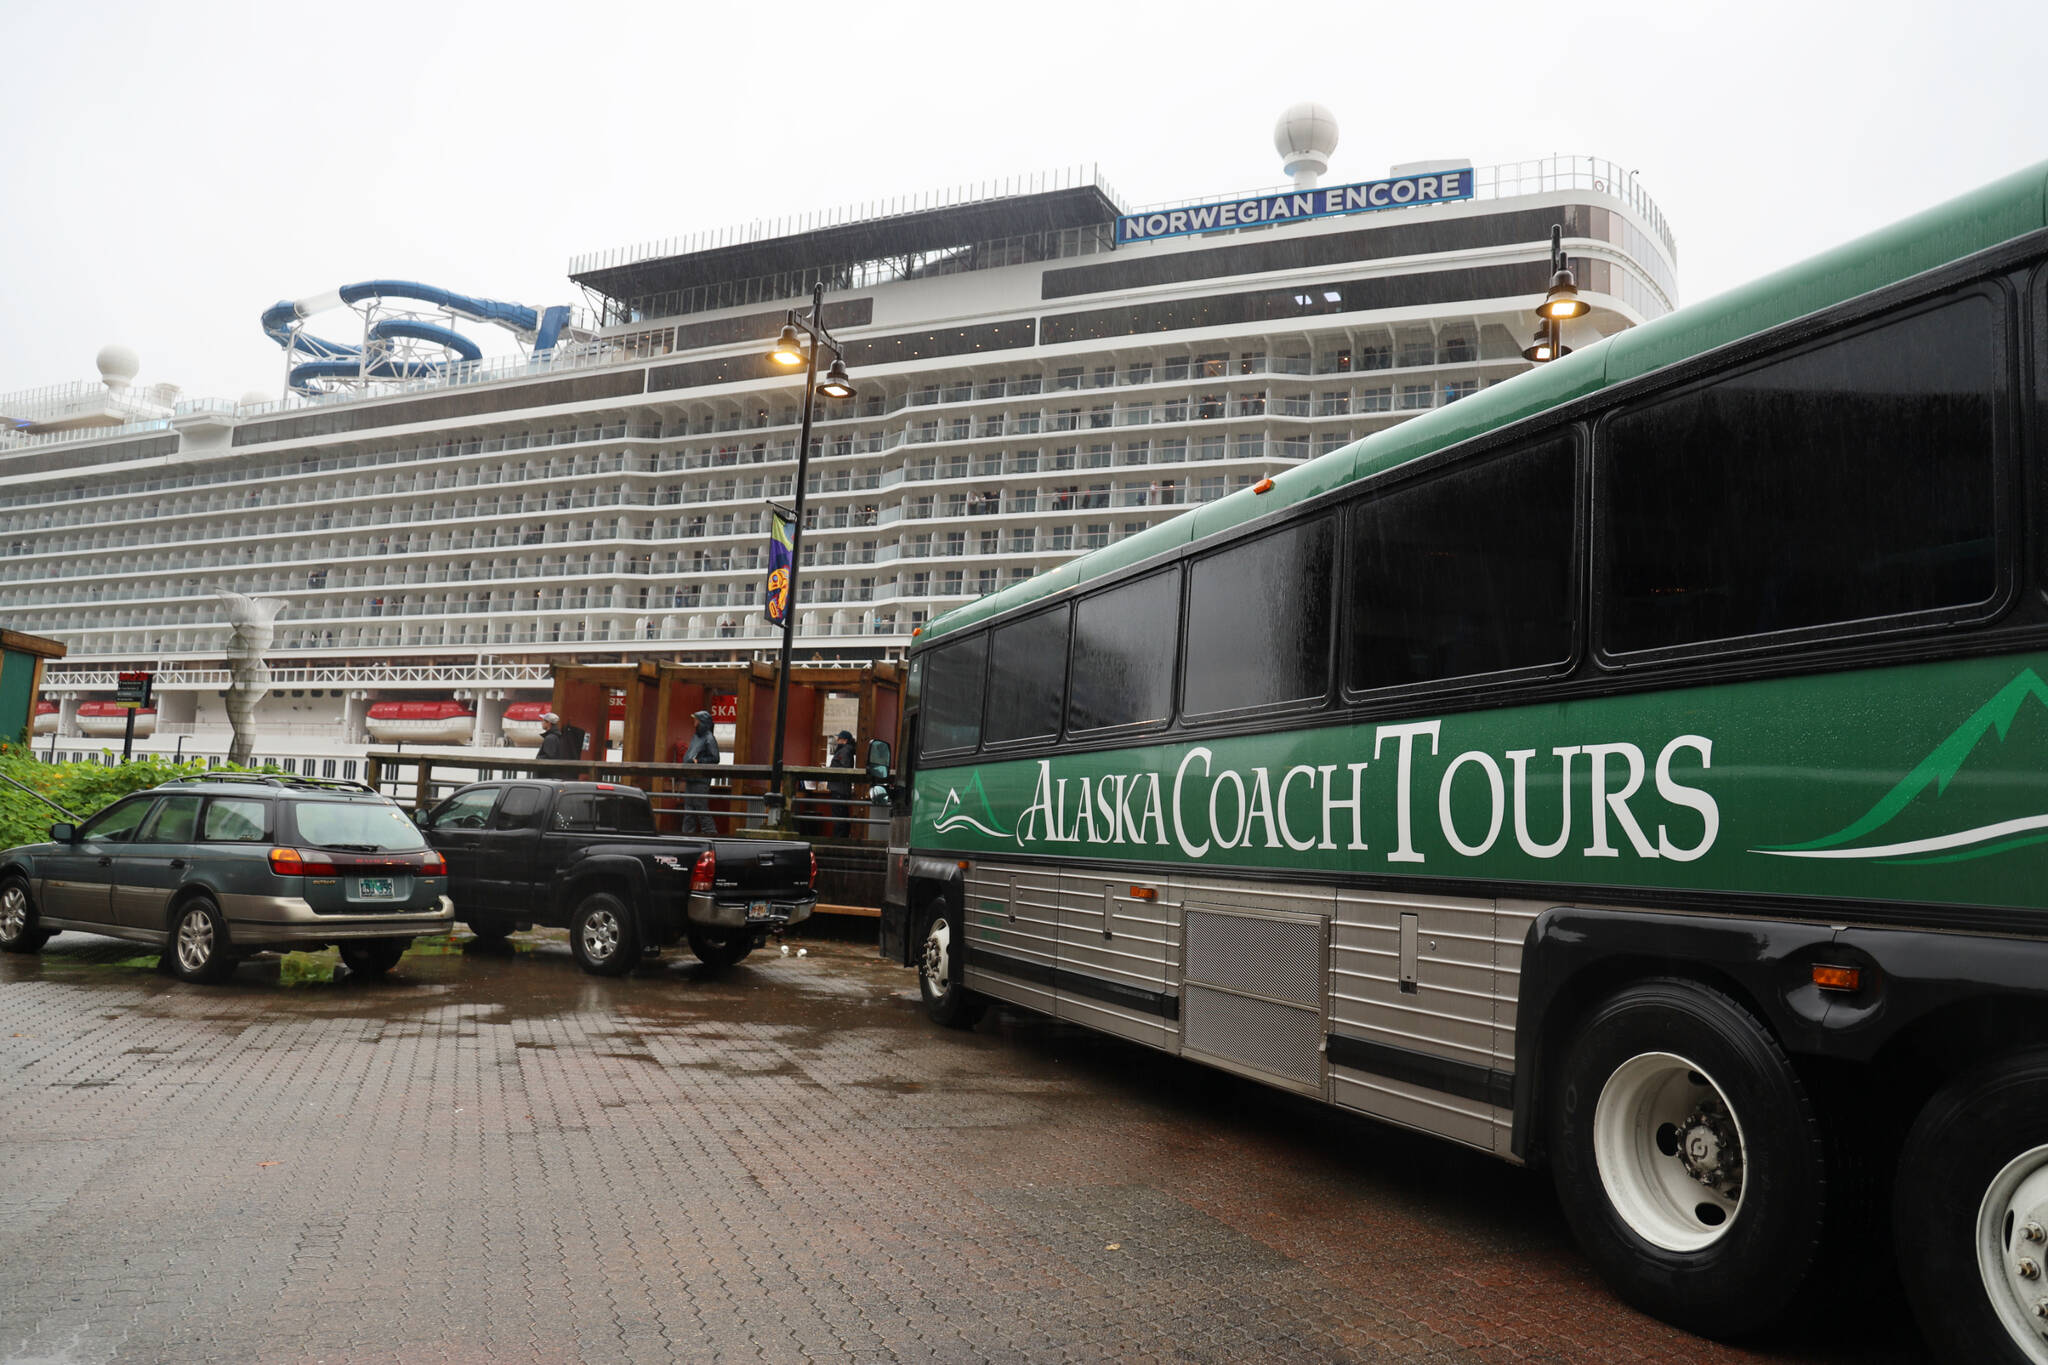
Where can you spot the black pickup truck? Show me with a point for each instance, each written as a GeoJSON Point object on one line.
{"type": "Point", "coordinates": [586, 856]}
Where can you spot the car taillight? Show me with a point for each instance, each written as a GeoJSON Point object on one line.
{"type": "Point", "coordinates": [432, 864]}
{"type": "Point", "coordinates": [292, 862]}
{"type": "Point", "coordinates": [705, 873]}
{"type": "Point", "coordinates": [814, 867]}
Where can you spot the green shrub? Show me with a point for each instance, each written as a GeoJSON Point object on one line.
{"type": "Point", "coordinates": [81, 788]}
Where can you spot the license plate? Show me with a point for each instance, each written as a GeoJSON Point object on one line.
{"type": "Point", "coordinates": [373, 888]}
{"type": "Point", "coordinates": [757, 909]}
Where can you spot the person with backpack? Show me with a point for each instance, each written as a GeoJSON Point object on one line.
{"type": "Point", "coordinates": [551, 741]}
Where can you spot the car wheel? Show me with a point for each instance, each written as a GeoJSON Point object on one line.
{"type": "Point", "coordinates": [373, 956]}
{"type": "Point", "coordinates": [1970, 1216]}
{"type": "Point", "coordinates": [720, 950]}
{"type": "Point", "coordinates": [490, 928]}
{"type": "Point", "coordinates": [946, 1001]}
{"type": "Point", "coordinates": [18, 931]}
{"type": "Point", "coordinates": [1688, 1158]}
{"type": "Point", "coordinates": [602, 937]}
{"type": "Point", "coordinates": [199, 948]}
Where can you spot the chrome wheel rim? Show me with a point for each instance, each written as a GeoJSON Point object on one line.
{"type": "Point", "coordinates": [1669, 1149]}
{"type": "Point", "coordinates": [2012, 1250]}
{"type": "Point", "coordinates": [600, 935]}
{"type": "Point", "coordinates": [937, 965]}
{"type": "Point", "coordinates": [195, 940]}
{"type": "Point", "coordinates": [13, 913]}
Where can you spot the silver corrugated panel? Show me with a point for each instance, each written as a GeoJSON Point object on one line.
{"type": "Point", "coordinates": [1278, 958]}
{"type": "Point", "coordinates": [1277, 1040]}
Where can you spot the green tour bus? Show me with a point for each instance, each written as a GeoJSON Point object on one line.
{"type": "Point", "coordinates": [1638, 768]}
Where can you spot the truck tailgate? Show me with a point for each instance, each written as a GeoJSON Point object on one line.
{"type": "Point", "coordinates": [760, 867]}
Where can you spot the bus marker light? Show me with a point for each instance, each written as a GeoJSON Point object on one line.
{"type": "Point", "coordinates": [964, 865]}
{"type": "Point", "coordinates": [1837, 978]}
{"type": "Point", "coordinates": [1263, 486]}
{"type": "Point", "coordinates": [1144, 893]}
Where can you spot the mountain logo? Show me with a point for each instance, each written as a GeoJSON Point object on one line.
{"type": "Point", "coordinates": [1935, 772]}
{"type": "Point", "coordinates": [954, 811]}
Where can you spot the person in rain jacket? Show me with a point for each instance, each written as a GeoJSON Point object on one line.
{"type": "Point", "coordinates": [552, 744]}
{"type": "Point", "coordinates": [703, 749]}
{"type": "Point", "coordinates": [841, 792]}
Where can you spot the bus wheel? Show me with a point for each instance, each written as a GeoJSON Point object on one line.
{"type": "Point", "coordinates": [1688, 1158]}
{"type": "Point", "coordinates": [1970, 1216]}
{"type": "Point", "coordinates": [945, 1000]}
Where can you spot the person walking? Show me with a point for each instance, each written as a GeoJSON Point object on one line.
{"type": "Point", "coordinates": [703, 749]}
{"type": "Point", "coordinates": [551, 742]}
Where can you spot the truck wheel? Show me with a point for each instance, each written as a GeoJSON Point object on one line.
{"type": "Point", "coordinates": [720, 950]}
{"type": "Point", "coordinates": [490, 928]}
{"type": "Point", "coordinates": [18, 932]}
{"type": "Point", "coordinates": [372, 957]}
{"type": "Point", "coordinates": [1970, 1216]}
{"type": "Point", "coordinates": [199, 949]}
{"type": "Point", "coordinates": [1688, 1158]}
{"type": "Point", "coordinates": [602, 937]}
{"type": "Point", "coordinates": [945, 1000]}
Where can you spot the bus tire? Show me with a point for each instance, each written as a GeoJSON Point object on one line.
{"type": "Point", "coordinates": [1688, 1157]}
{"type": "Point", "coordinates": [946, 1001]}
{"type": "Point", "coordinates": [1970, 1211]}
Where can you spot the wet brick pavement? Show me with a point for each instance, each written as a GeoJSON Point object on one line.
{"type": "Point", "coordinates": [493, 1157]}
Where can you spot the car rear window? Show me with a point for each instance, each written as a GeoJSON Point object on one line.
{"type": "Point", "coordinates": [603, 813]}
{"type": "Point", "coordinates": [361, 826]}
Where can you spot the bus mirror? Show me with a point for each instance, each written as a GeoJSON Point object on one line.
{"type": "Point", "coordinates": [878, 760]}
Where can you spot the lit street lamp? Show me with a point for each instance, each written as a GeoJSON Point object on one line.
{"type": "Point", "coordinates": [1561, 303]}
{"type": "Point", "coordinates": [790, 351]}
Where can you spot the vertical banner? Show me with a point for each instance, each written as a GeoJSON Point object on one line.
{"type": "Point", "coordinates": [777, 599]}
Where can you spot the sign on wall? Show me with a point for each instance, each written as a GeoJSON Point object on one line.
{"type": "Point", "coordinates": [1437, 187]}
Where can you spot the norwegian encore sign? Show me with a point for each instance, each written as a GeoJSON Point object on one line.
{"type": "Point", "coordinates": [1437, 187]}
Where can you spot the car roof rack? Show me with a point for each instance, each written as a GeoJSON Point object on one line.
{"type": "Point", "coordinates": [277, 780]}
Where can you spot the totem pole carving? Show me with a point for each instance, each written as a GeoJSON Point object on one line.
{"type": "Point", "coordinates": [252, 625]}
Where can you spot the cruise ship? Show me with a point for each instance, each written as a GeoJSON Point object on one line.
{"type": "Point", "coordinates": [1040, 369]}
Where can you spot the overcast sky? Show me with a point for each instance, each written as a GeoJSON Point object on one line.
{"type": "Point", "coordinates": [167, 171]}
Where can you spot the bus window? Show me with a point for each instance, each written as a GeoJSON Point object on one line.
{"type": "Point", "coordinates": [1123, 654]}
{"type": "Point", "coordinates": [1465, 573]}
{"type": "Point", "coordinates": [952, 695]}
{"type": "Point", "coordinates": [1849, 482]}
{"type": "Point", "coordinates": [1027, 683]}
{"type": "Point", "coordinates": [1259, 621]}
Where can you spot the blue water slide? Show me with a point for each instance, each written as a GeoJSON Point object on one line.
{"type": "Point", "coordinates": [341, 360]}
{"type": "Point", "coordinates": [427, 331]}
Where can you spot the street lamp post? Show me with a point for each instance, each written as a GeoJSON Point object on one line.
{"type": "Point", "coordinates": [1561, 303]}
{"type": "Point", "coordinates": [790, 351]}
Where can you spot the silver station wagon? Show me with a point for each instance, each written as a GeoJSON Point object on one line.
{"type": "Point", "coordinates": [211, 869]}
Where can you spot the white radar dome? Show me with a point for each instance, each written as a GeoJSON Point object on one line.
{"type": "Point", "coordinates": [1305, 137]}
{"type": "Point", "coordinates": [253, 397]}
{"type": "Point", "coordinates": [118, 366]}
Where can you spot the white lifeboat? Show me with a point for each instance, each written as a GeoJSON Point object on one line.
{"type": "Point", "coordinates": [109, 720]}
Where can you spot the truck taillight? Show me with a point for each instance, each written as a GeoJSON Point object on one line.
{"type": "Point", "coordinates": [814, 867]}
{"type": "Point", "coordinates": [705, 873]}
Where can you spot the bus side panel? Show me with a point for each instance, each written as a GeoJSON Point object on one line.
{"type": "Point", "coordinates": [1012, 936]}
{"type": "Point", "coordinates": [1253, 980]}
{"type": "Point", "coordinates": [1113, 957]}
{"type": "Point", "coordinates": [1412, 1015]}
